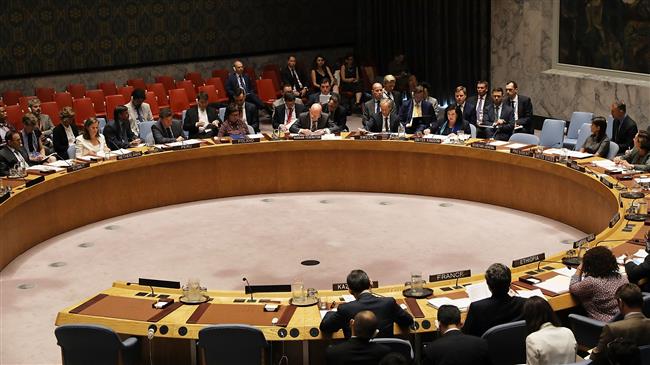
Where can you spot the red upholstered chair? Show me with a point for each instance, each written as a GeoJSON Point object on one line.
{"type": "Point", "coordinates": [23, 101]}
{"type": "Point", "coordinates": [219, 88]}
{"type": "Point", "coordinates": [137, 83]}
{"type": "Point", "coordinates": [51, 108]}
{"type": "Point", "coordinates": [265, 91]}
{"type": "Point", "coordinates": [99, 102]}
{"type": "Point", "coordinates": [126, 92]}
{"type": "Point", "coordinates": [83, 109]}
{"type": "Point", "coordinates": [196, 79]}
{"type": "Point", "coordinates": [167, 81]}
{"type": "Point", "coordinates": [271, 75]}
{"type": "Point", "coordinates": [150, 99]}
{"type": "Point", "coordinates": [178, 101]}
{"type": "Point", "coordinates": [222, 74]}
{"type": "Point", "coordinates": [10, 97]}
{"type": "Point", "coordinates": [108, 87]}
{"type": "Point", "coordinates": [160, 92]}
{"type": "Point", "coordinates": [250, 72]}
{"type": "Point", "coordinates": [63, 99]}
{"type": "Point", "coordinates": [111, 102]}
{"type": "Point", "coordinates": [15, 116]}
{"type": "Point", "coordinates": [189, 89]}
{"type": "Point", "coordinates": [76, 90]}
{"type": "Point", "coordinates": [211, 91]}
{"type": "Point", "coordinates": [44, 94]}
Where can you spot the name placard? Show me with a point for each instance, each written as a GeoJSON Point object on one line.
{"type": "Point", "coordinates": [450, 275]}
{"type": "Point", "coordinates": [606, 182]}
{"type": "Point", "coordinates": [528, 260]}
{"type": "Point", "coordinates": [77, 166]}
{"type": "Point", "coordinates": [520, 152]}
{"type": "Point", "coordinates": [186, 146]}
{"type": "Point", "coordinates": [483, 145]}
{"type": "Point", "coordinates": [374, 137]}
{"type": "Point", "coordinates": [5, 196]}
{"type": "Point", "coordinates": [244, 140]}
{"type": "Point", "coordinates": [131, 154]}
{"type": "Point", "coordinates": [301, 137]}
{"type": "Point", "coordinates": [575, 166]}
{"type": "Point", "coordinates": [584, 240]}
{"type": "Point", "coordinates": [35, 181]}
{"type": "Point", "coordinates": [615, 219]}
{"type": "Point", "coordinates": [344, 286]}
{"type": "Point", "coordinates": [427, 140]}
{"type": "Point", "coordinates": [545, 157]}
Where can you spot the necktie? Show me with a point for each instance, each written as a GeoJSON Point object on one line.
{"type": "Point", "coordinates": [479, 109]}
{"type": "Point", "coordinates": [377, 110]}
{"type": "Point", "coordinates": [417, 111]}
{"type": "Point", "coordinates": [498, 113]}
{"type": "Point", "coordinates": [241, 83]}
{"type": "Point", "coordinates": [169, 132]}
{"type": "Point", "coordinates": [385, 124]}
{"type": "Point", "coordinates": [295, 76]}
{"type": "Point", "coordinates": [20, 159]}
{"type": "Point", "coordinates": [139, 115]}
{"type": "Point", "coordinates": [289, 112]}
{"type": "Point", "coordinates": [314, 125]}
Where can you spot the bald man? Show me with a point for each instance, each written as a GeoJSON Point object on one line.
{"type": "Point", "coordinates": [359, 349]}
{"type": "Point", "coordinates": [238, 79]}
{"type": "Point", "coordinates": [371, 106]}
{"type": "Point", "coordinates": [314, 122]}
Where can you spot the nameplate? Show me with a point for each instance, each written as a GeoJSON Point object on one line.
{"type": "Point", "coordinates": [35, 181]}
{"type": "Point", "coordinates": [520, 152]}
{"type": "Point", "coordinates": [528, 260]}
{"type": "Point", "coordinates": [483, 145]}
{"type": "Point", "coordinates": [606, 182]}
{"type": "Point", "coordinates": [301, 137]}
{"type": "Point", "coordinates": [77, 166]}
{"type": "Point", "coordinates": [374, 137]}
{"type": "Point", "coordinates": [131, 154]}
{"type": "Point", "coordinates": [614, 219]}
{"type": "Point", "coordinates": [344, 286]}
{"type": "Point", "coordinates": [244, 140]}
{"type": "Point", "coordinates": [584, 240]}
{"type": "Point", "coordinates": [575, 166]}
{"type": "Point", "coordinates": [185, 146]}
{"type": "Point", "coordinates": [450, 275]}
{"type": "Point", "coordinates": [427, 140]}
{"type": "Point", "coordinates": [5, 196]}
{"type": "Point", "coordinates": [545, 157]}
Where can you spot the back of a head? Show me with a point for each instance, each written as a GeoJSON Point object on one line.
{"type": "Point", "coordinates": [448, 315]}
{"type": "Point", "coordinates": [630, 294]}
{"type": "Point", "coordinates": [394, 358]}
{"type": "Point", "coordinates": [358, 281]}
{"type": "Point", "coordinates": [365, 325]}
{"type": "Point", "coordinates": [537, 311]}
{"type": "Point", "coordinates": [623, 352]}
{"type": "Point", "coordinates": [498, 278]}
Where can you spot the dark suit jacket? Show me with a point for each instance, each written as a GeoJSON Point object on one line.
{"type": "Point", "coordinates": [8, 159]}
{"type": "Point", "coordinates": [396, 98]}
{"type": "Point", "coordinates": [623, 133]}
{"type": "Point", "coordinates": [525, 111]}
{"type": "Point", "coordinates": [406, 113]}
{"type": "Point", "coordinates": [472, 100]}
{"type": "Point", "coordinates": [192, 117]}
{"type": "Point", "coordinates": [160, 134]}
{"type": "Point", "coordinates": [385, 308]}
{"type": "Point", "coordinates": [504, 131]}
{"type": "Point", "coordinates": [115, 140]}
{"type": "Point", "coordinates": [454, 347]}
{"type": "Point", "coordinates": [252, 116]}
{"type": "Point", "coordinates": [314, 98]}
{"type": "Point", "coordinates": [367, 110]}
{"type": "Point", "coordinates": [304, 122]}
{"type": "Point", "coordinates": [636, 327]}
{"type": "Point", "coordinates": [356, 351]}
{"type": "Point", "coordinates": [376, 122]}
{"type": "Point", "coordinates": [60, 139]}
{"type": "Point", "coordinates": [489, 312]}
{"type": "Point", "coordinates": [443, 129]}
{"type": "Point", "coordinates": [278, 114]}
{"type": "Point", "coordinates": [637, 272]}
{"type": "Point", "coordinates": [287, 78]}
{"type": "Point", "coordinates": [469, 112]}
{"type": "Point", "coordinates": [232, 84]}
{"type": "Point", "coordinates": [338, 117]}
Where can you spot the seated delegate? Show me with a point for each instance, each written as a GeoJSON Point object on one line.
{"type": "Point", "coordinates": [638, 158]}
{"type": "Point", "coordinates": [90, 142]}
{"type": "Point", "coordinates": [597, 143]}
{"type": "Point", "coordinates": [453, 123]}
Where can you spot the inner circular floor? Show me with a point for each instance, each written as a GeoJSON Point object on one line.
{"type": "Point", "coordinates": [264, 238]}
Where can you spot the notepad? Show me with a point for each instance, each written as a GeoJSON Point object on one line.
{"type": "Point", "coordinates": [498, 143]}
{"type": "Point", "coordinates": [641, 253]}
{"type": "Point", "coordinates": [60, 163]}
{"type": "Point", "coordinates": [255, 136]}
{"type": "Point", "coordinates": [348, 298]}
{"type": "Point", "coordinates": [566, 271]}
{"type": "Point", "coordinates": [461, 303]}
{"type": "Point", "coordinates": [478, 291]}
{"type": "Point", "coordinates": [517, 145]}
{"type": "Point", "coordinates": [558, 284]}
{"type": "Point", "coordinates": [530, 293]}
{"type": "Point", "coordinates": [330, 137]}
{"type": "Point", "coordinates": [45, 169]}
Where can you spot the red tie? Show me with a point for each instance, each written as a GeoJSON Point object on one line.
{"type": "Point", "coordinates": [289, 115]}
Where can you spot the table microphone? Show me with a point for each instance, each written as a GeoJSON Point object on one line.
{"type": "Point", "coordinates": [249, 288]}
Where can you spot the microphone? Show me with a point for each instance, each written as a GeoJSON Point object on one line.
{"type": "Point", "coordinates": [151, 332]}
{"type": "Point", "coordinates": [550, 262]}
{"type": "Point", "coordinates": [252, 300]}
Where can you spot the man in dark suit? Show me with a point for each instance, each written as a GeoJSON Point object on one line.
{"type": "Point", "coordinates": [467, 108]}
{"type": "Point", "coordinates": [481, 101]}
{"type": "Point", "coordinates": [500, 116]}
{"type": "Point", "coordinates": [522, 106]}
{"type": "Point", "coordinates": [634, 326]}
{"type": "Point", "coordinates": [358, 350]}
{"type": "Point", "coordinates": [639, 274]}
{"type": "Point", "coordinates": [325, 93]}
{"type": "Point", "coordinates": [390, 92]}
{"type": "Point", "coordinates": [314, 122]}
{"type": "Point", "coordinates": [287, 114]}
{"type": "Point", "coordinates": [500, 308]}
{"type": "Point", "coordinates": [167, 130]}
{"type": "Point", "coordinates": [387, 120]}
{"type": "Point", "coordinates": [624, 128]}
{"type": "Point", "coordinates": [291, 76]}
{"type": "Point", "coordinates": [62, 133]}
{"type": "Point", "coordinates": [419, 108]}
{"type": "Point", "coordinates": [13, 153]}
{"type": "Point", "coordinates": [118, 131]}
{"type": "Point", "coordinates": [371, 106]}
{"type": "Point", "coordinates": [385, 308]}
{"type": "Point", "coordinates": [239, 80]}
{"type": "Point", "coordinates": [453, 346]}
{"type": "Point", "coordinates": [337, 113]}
{"type": "Point", "coordinates": [201, 121]}
{"type": "Point", "coordinates": [248, 112]}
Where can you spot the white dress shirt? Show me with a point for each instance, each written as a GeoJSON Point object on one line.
{"type": "Point", "coordinates": [69, 134]}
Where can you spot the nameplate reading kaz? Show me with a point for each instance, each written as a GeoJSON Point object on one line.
{"type": "Point", "coordinates": [614, 219]}
{"type": "Point", "coordinates": [528, 260]}
{"type": "Point", "coordinates": [520, 152]}
{"type": "Point", "coordinates": [427, 140]}
{"type": "Point", "coordinates": [545, 157]}
{"type": "Point", "coordinates": [483, 145]}
{"type": "Point", "coordinates": [584, 240]}
{"type": "Point", "coordinates": [244, 140]}
{"type": "Point", "coordinates": [606, 182]}
{"type": "Point", "coordinates": [450, 275]}
{"type": "Point", "coordinates": [344, 286]}
{"type": "Point", "coordinates": [300, 137]}
{"type": "Point", "coordinates": [77, 166]}
{"type": "Point", "coordinates": [129, 155]}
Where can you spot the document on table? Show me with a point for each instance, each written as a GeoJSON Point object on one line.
{"type": "Point", "coordinates": [641, 180]}
{"type": "Point", "coordinates": [530, 293]}
{"type": "Point", "coordinates": [558, 284]}
{"type": "Point", "coordinates": [566, 271]}
{"type": "Point", "coordinates": [181, 143]}
{"type": "Point", "coordinates": [61, 163]}
{"type": "Point", "coordinates": [44, 168]}
{"type": "Point", "coordinates": [605, 164]}
{"type": "Point", "coordinates": [330, 137]}
{"type": "Point", "coordinates": [517, 145]}
{"type": "Point", "coordinates": [348, 298]}
{"type": "Point", "coordinates": [641, 253]}
{"type": "Point", "coordinates": [461, 303]}
{"type": "Point", "coordinates": [90, 158]}
{"type": "Point", "coordinates": [498, 143]}
{"type": "Point", "coordinates": [478, 291]}
{"type": "Point", "coordinates": [569, 153]}
{"type": "Point", "coordinates": [255, 136]}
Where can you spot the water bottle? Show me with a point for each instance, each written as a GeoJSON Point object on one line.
{"type": "Point", "coordinates": [401, 132]}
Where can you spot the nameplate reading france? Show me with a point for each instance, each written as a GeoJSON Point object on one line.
{"type": "Point", "coordinates": [344, 286]}
{"type": "Point", "coordinates": [528, 260]}
{"type": "Point", "coordinates": [584, 240]}
{"type": "Point", "coordinates": [450, 275]}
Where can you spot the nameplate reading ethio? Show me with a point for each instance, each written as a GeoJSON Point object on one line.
{"type": "Point", "coordinates": [528, 260]}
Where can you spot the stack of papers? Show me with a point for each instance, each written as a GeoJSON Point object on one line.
{"type": "Point", "coordinates": [605, 164]}
{"type": "Point", "coordinates": [90, 158]}
{"type": "Point", "coordinates": [255, 136]}
{"type": "Point", "coordinates": [44, 168]}
{"type": "Point", "coordinates": [330, 137]}
{"type": "Point", "coordinates": [121, 151]}
{"type": "Point", "coordinates": [61, 163]}
{"type": "Point", "coordinates": [558, 284]}
{"type": "Point", "coordinates": [181, 143]}
{"type": "Point", "coordinates": [498, 143]}
{"type": "Point", "coordinates": [517, 145]}
{"type": "Point", "coordinates": [569, 153]}
{"type": "Point", "coordinates": [461, 303]}
{"type": "Point", "coordinates": [478, 291]}
{"type": "Point", "coordinates": [530, 293]}
{"type": "Point", "coordinates": [566, 271]}
{"type": "Point", "coordinates": [641, 253]}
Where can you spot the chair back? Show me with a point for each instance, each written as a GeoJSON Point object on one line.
{"type": "Point", "coordinates": [189, 89]}
{"type": "Point", "coordinates": [15, 116]}
{"type": "Point", "coordinates": [507, 343]}
{"type": "Point", "coordinates": [10, 97]}
{"type": "Point", "coordinates": [251, 73]}
{"type": "Point", "coordinates": [586, 330]}
{"type": "Point", "coordinates": [275, 77]}
{"type": "Point", "coordinates": [222, 74]}
{"type": "Point", "coordinates": [524, 138]}
{"type": "Point", "coordinates": [167, 81]}
{"type": "Point", "coordinates": [126, 92]}
{"type": "Point", "coordinates": [145, 129]}
{"type": "Point", "coordinates": [265, 91]}
{"type": "Point", "coordinates": [63, 99]}
{"type": "Point", "coordinates": [72, 152]}
{"type": "Point", "coordinates": [613, 150]}
{"type": "Point", "coordinates": [583, 134]}
{"type": "Point", "coordinates": [552, 133]}
{"type": "Point", "coordinates": [137, 83]}
{"type": "Point", "coordinates": [398, 345]}
{"type": "Point", "coordinates": [472, 129]}
{"type": "Point", "coordinates": [23, 101]}
{"type": "Point", "coordinates": [232, 344]}
{"type": "Point", "coordinates": [88, 344]}
{"type": "Point", "coordinates": [610, 126]}
{"type": "Point", "coordinates": [44, 94]}
{"type": "Point", "coordinates": [213, 97]}
{"type": "Point", "coordinates": [76, 90]}
{"type": "Point", "coordinates": [195, 77]}
{"type": "Point", "coordinates": [150, 98]}
{"type": "Point", "coordinates": [645, 354]}
{"type": "Point", "coordinates": [51, 108]}
{"type": "Point", "coordinates": [111, 102]}
{"type": "Point", "coordinates": [159, 90]}
{"type": "Point", "coordinates": [83, 109]}
{"type": "Point", "coordinates": [577, 120]}
{"type": "Point", "coordinates": [218, 86]}
{"type": "Point", "coordinates": [646, 304]}
{"type": "Point", "coordinates": [99, 101]}
{"type": "Point", "coordinates": [178, 101]}
{"type": "Point", "coordinates": [108, 87]}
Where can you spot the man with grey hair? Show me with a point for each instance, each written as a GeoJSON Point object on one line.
{"type": "Point", "coordinates": [314, 122]}
{"type": "Point", "coordinates": [390, 92]}
{"type": "Point", "coordinates": [500, 308]}
{"type": "Point", "coordinates": [386, 120]}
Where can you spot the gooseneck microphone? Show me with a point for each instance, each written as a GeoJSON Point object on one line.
{"type": "Point", "coordinates": [249, 288]}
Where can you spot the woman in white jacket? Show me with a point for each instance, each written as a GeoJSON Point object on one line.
{"type": "Point", "coordinates": [548, 343]}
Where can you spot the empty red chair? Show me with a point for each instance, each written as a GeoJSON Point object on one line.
{"type": "Point", "coordinates": [10, 97]}
{"type": "Point", "coordinates": [222, 74]}
{"type": "Point", "coordinates": [108, 87]}
{"type": "Point", "coordinates": [97, 97]}
{"type": "Point", "coordinates": [265, 91]}
{"type": "Point", "coordinates": [44, 94]}
{"type": "Point", "coordinates": [189, 89]}
{"type": "Point", "coordinates": [167, 81]}
{"type": "Point", "coordinates": [111, 102]}
{"type": "Point", "coordinates": [15, 116]}
{"type": "Point", "coordinates": [63, 99]}
{"type": "Point", "coordinates": [77, 90]}
{"type": "Point", "coordinates": [196, 79]}
{"type": "Point", "coordinates": [211, 91]}
{"type": "Point", "coordinates": [160, 92]}
{"type": "Point", "coordinates": [218, 85]}
{"type": "Point", "coordinates": [250, 72]}
{"type": "Point", "coordinates": [23, 101]}
{"type": "Point", "coordinates": [51, 108]}
{"type": "Point", "coordinates": [178, 101]}
{"type": "Point", "coordinates": [150, 99]}
{"type": "Point", "coordinates": [271, 75]}
{"type": "Point", "coordinates": [137, 83]}
{"type": "Point", "coordinates": [126, 92]}
{"type": "Point", "coordinates": [83, 109]}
